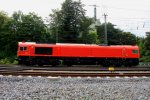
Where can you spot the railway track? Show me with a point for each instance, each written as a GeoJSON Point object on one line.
{"type": "Point", "coordinates": [74, 73]}
{"type": "Point", "coordinates": [70, 68]}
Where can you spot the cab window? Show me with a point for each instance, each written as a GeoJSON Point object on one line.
{"type": "Point", "coordinates": [135, 51]}
{"type": "Point", "coordinates": [23, 48]}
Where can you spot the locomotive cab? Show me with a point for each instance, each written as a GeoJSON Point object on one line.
{"type": "Point", "coordinates": [132, 55]}
{"type": "Point", "coordinates": [24, 52]}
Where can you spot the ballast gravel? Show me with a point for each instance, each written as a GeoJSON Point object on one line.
{"type": "Point", "coordinates": [42, 88]}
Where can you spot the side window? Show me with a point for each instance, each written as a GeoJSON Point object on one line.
{"type": "Point", "coordinates": [23, 48]}
{"type": "Point", "coordinates": [135, 51]}
{"type": "Point", "coordinates": [43, 50]}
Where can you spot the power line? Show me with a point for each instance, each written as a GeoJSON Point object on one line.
{"type": "Point", "coordinates": [119, 8]}
{"type": "Point", "coordinates": [141, 10]}
{"type": "Point", "coordinates": [127, 18]}
{"type": "Point", "coordinates": [113, 19]}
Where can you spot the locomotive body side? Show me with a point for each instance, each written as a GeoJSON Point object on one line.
{"type": "Point", "coordinates": [104, 55]}
{"type": "Point", "coordinates": [74, 54]}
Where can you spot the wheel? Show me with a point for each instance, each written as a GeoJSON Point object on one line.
{"type": "Point", "coordinates": [69, 65]}
{"type": "Point", "coordinates": [40, 64]}
{"type": "Point", "coordinates": [118, 65]}
{"type": "Point", "coordinates": [105, 64]}
{"type": "Point", "coordinates": [54, 65]}
{"type": "Point", "coordinates": [27, 64]}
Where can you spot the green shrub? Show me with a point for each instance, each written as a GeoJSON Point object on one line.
{"type": "Point", "coordinates": [4, 61]}
{"type": "Point", "coordinates": [8, 60]}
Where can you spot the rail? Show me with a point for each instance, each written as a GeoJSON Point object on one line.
{"type": "Point", "coordinates": [74, 73]}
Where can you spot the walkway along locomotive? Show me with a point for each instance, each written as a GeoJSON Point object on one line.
{"type": "Point", "coordinates": [31, 53]}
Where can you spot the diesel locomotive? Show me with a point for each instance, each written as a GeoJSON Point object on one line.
{"type": "Point", "coordinates": [31, 53]}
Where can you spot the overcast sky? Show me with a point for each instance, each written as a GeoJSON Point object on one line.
{"type": "Point", "coordinates": [128, 15]}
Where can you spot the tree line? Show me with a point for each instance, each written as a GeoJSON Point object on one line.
{"type": "Point", "coordinates": [66, 25]}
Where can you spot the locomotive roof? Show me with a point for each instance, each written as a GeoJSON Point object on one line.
{"type": "Point", "coordinates": [71, 44]}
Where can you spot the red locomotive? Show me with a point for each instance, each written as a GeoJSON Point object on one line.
{"type": "Point", "coordinates": [30, 53]}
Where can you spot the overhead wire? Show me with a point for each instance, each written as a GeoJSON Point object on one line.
{"type": "Point", "coordinates": [129, 9]}
{"type": "Point", "coordinates": [128, 23]}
